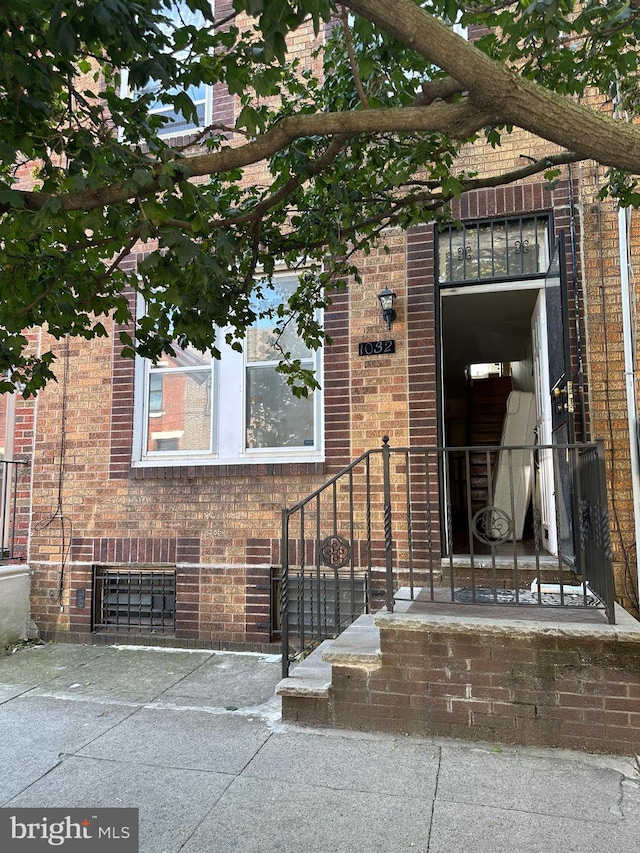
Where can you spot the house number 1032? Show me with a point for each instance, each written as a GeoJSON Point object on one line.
{"type": "Point", "coordinates": [377, 348]}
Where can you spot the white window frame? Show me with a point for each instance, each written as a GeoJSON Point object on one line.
{"type": "Point", "coordinates": [167, 131]}
{"type": "Point", "coordinates": [228, 433]}
{"type": "Point", "coordinates": [460, 29]}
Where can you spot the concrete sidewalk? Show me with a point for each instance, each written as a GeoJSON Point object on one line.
{"type": "Point", "coordinates": [195, 741]}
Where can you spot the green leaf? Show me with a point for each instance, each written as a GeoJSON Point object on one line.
{"type": "Point", "coordinates": [249, 119]}
{"type": "Point", "coordinates": [313, 204]}
{"type": "Point", "coordinates": [12, 198]}
{"type": "Point", "coordinates": [63, 37]}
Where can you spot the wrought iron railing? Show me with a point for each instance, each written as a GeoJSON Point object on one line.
{"type": "Point", "coordinates": [12, 537]}
{"type": "Point", "coordinates": [518, 525]}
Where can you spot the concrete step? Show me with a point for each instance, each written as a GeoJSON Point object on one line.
{"type": "Point", "coordinates": [358, 645]}
{"type": "Point", "coordinates": [310, 678]}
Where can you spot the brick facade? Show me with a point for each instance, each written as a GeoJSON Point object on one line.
{"type": "Point", "coordinates": [83, 503]}
{"type": "Point", "coordinates": [115, 513]}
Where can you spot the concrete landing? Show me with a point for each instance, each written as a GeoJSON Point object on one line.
{"type": "Point", "coordinates": [358, 646]}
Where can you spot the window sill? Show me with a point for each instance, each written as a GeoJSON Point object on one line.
{"type": "Point", "coordinates": [172, 460]}
{"type": "Point", "coordinates": [264, 468]}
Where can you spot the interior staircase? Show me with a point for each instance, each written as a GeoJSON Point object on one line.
{"type": "Point", "coordinates": [487, 409]}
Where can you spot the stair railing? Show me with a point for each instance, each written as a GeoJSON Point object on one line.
{"type": "Point", "coordinates": [390, 528]}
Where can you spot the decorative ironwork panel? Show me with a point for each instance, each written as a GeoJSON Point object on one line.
{"type": "Point", "coordinates": [492, 525]}
{"type": "Point", "coordinates": [495, 249]}
{"type": "Point", "coordinates": [335, 551]}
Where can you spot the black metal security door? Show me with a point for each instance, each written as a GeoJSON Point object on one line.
{"type": "Point", "coordinates": [562, 397]}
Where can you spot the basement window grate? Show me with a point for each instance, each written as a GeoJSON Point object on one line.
{"type": "Point", "coordinates": [324, 602]}
{"type": "Point", "coordinates": [140, 601]}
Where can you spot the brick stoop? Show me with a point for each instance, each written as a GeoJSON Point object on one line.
{"type": "Point", "coordinates": [538, 682]}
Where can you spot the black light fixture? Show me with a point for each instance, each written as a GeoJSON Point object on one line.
{"type": "Point", "coordinates": [387, 299]}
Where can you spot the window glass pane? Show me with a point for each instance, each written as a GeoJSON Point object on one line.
{"type": "Point", "coordinates": [499, 250]}
{"type": "Point", "coordinates": [185, 358]}
{"type": "Point", "coordinates": [482, 240]}
{"type": "Point", "coordinates": [524, 254]}
{"type": "Point", "coordinates": [456, 255]}
{"type": "Point", "coordinates": [180, 15]}
{"type": "Point", "coordinates": [260, 343]}
{"type": "Point", "coordinates": [275, 417]}
{"type": "Point", "coordinates": [471, 253]}
{"type": "Point", "coordinates": [542, 243]}
{"type": "Point", "coordinates": [445, 273]}
{"type": "Point", "coordinates": [179, 411]}
{"type": "Point", "coordinates": [176, 121]}
{"type": "Point", "coordinates": [155, 393]}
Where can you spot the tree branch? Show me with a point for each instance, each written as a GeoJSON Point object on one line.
{"type": "Point", "coordinates": [442, 89]}
{"type": "Point", "coordinates": [525, 172]}
{"type": "Point", "coordinates": [496, 95]}
{"type": "Point", "coordinates": [430, 201]}
{"type": "Point", "coordinates": [460, 120]}
{"type": "Point", "coordinates": [495, 87]}
{"type": "Point", "coordinates": [344, 15]}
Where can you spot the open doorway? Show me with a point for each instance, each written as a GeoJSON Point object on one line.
{"type": "Point", "coordinates": [495, 391]}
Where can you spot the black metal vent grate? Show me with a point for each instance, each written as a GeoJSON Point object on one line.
{"type": "Point", "coordinates": [324, 602]}
{"type": "Point", "coordinates": [140, 600]}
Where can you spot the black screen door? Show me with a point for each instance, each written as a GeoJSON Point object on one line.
{"type": "Point", "coordinates": [562, 400]}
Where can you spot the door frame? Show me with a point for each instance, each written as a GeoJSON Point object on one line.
{"type": "Point", "coordinates": [562, 400]}
{"type": "Point", "coordinates": [545, 478]}
{"type": "Point", "coordinates": [449, 292]}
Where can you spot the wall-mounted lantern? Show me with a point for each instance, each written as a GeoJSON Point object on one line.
{"type": "Point", "coordinates": [387, 299]}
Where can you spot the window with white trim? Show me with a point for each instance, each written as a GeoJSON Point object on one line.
{"type": "Point", "coordinates": [457, 27]}
{"type": "Point", "coordinates": [193, 409]}
{"type": "Point", "coordinates": [200, 94]}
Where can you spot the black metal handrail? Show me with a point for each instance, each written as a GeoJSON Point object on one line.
{"type": "Point", "coordinates": [9, 494]}
{"type": "Point", "coordinates": [446, 524]}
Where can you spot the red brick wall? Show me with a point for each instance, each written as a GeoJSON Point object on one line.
{"type": "Point", "coordinates": [606, 367]}
{"type": "Point", "coordinates": [107, 500]}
